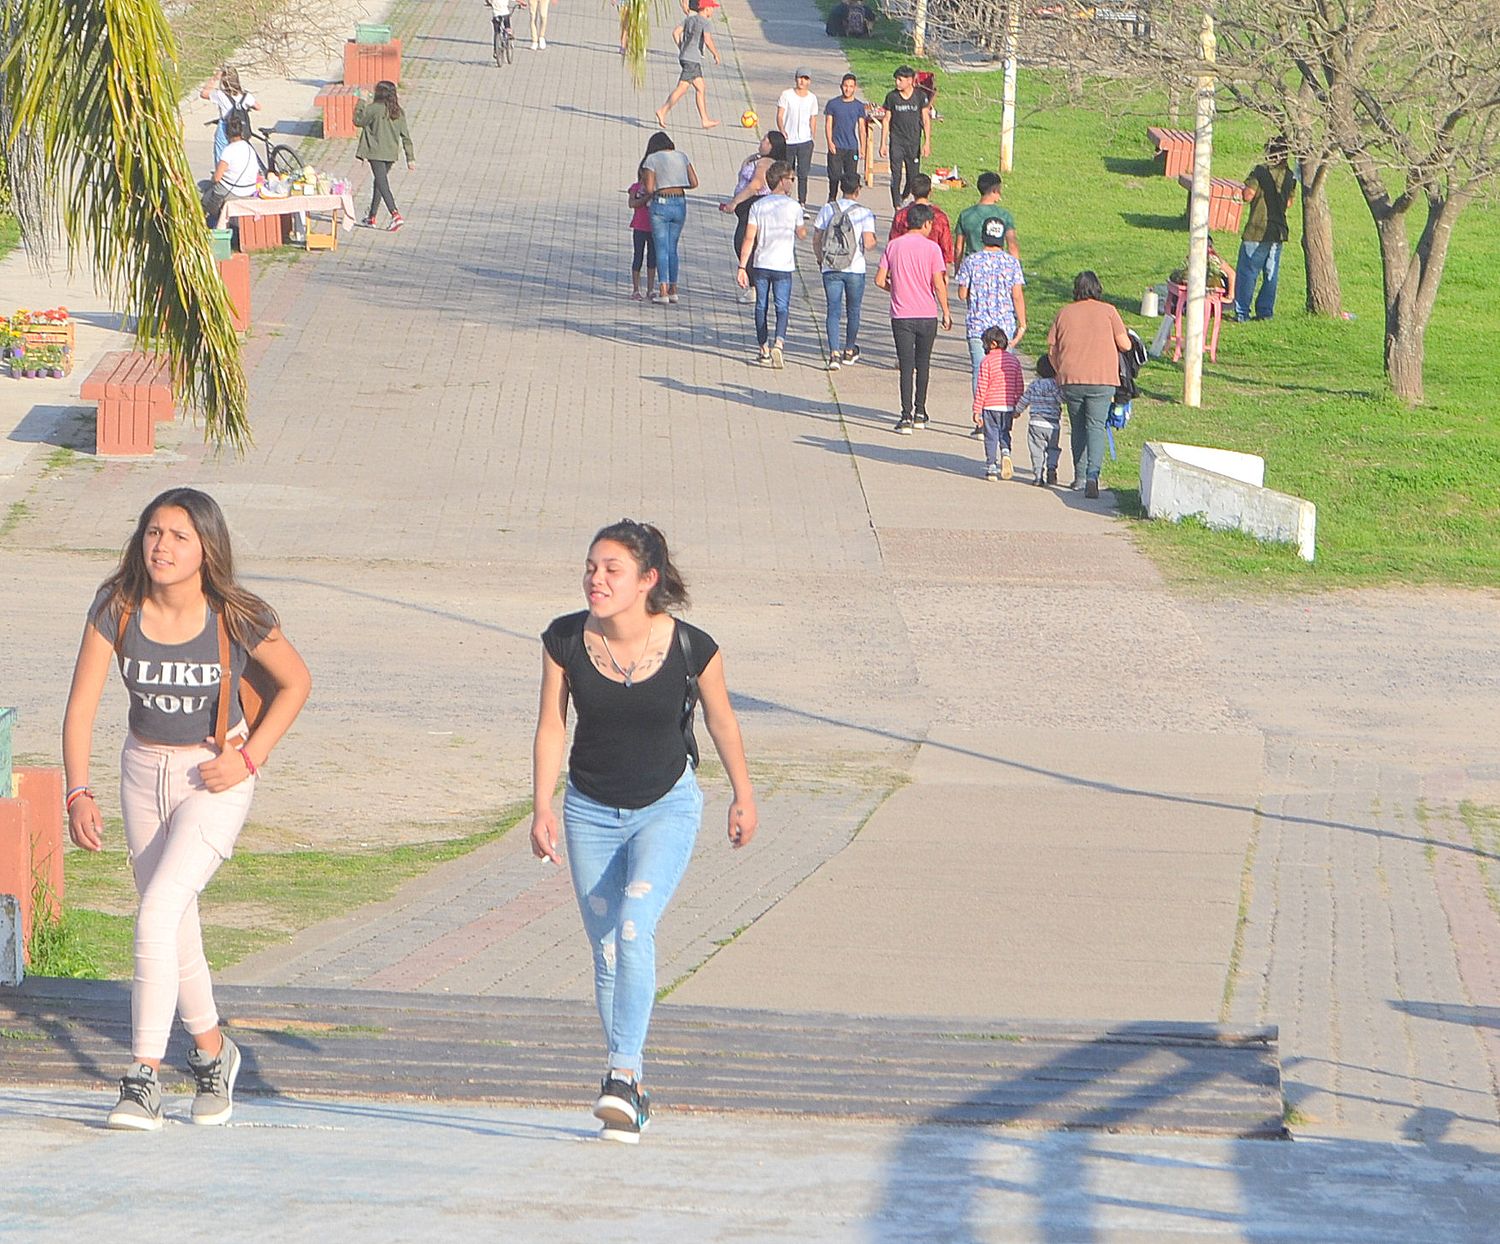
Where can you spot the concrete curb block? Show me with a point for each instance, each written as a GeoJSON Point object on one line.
{"type": "Point", "coordinates": [1226, 490]}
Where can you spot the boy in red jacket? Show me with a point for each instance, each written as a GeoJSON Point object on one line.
{"type": "Point", "coordinates": [1000, 386]}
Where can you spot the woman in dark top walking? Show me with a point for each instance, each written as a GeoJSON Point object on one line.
{"type": "Point", "coordinates": [382, 135]}
{"type": "Point", "coordinates": [632, 808]}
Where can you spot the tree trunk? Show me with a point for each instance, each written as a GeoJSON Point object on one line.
{"type": "Point", "coordinates": [1324, 295]}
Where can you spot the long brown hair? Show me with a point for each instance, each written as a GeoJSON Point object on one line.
{"type": "Point", "coordinates": [385, 93]}
{"type": "Point", "coordinates": [229, 82]}
{"type": "Point", "coordinates": [246, 616]}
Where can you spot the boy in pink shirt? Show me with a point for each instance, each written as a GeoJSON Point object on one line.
{"type": "Point", "coordinates": [1001, 383]}
{"type": "Point", "coordinates": [914, 272]}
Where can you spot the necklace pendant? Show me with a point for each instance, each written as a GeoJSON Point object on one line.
{"type": "Point", "coordinates": [627, 680]}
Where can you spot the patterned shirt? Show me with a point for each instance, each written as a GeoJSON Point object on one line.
{"type": "Point", "coordinates": [990, 276]}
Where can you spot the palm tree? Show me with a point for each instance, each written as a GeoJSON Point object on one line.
{"type": "Point", "coordinates": [88, 113]}
{"type": "Point", "coordinates": [635, 21]}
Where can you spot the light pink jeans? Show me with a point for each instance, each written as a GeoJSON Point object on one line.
{"type": "Point", "coordinates": [178, 834]}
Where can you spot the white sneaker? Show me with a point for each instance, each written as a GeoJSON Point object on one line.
{"type": "Point", "coordinates": [541, 45]}
{"type": "Point", "coordinates": [534, 47]}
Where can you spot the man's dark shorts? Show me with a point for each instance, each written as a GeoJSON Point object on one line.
{"type": "Point", "coordinates": [692, 70]}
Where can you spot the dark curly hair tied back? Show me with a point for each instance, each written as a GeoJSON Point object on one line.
{"type": "Point", "coordinates": [649, 548]}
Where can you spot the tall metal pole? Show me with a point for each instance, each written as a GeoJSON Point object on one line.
{"type": "Point", "coordinates": [1197, 273]}
{"type": "Point", "coordinates": [919, 30]}
{"type": "Point", "coordinates": [1008, 105]}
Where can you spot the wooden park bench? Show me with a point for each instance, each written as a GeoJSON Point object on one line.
{"type": "Point", "coordinates": [365, 64]}
{"type": "Point", "coordinates": [337, 101]}
{"type": "Point", "coordinates": [134, 392]}
{"type": "Point", "coordinates": [1176, 145]}
{"type": "Point", "coordinates": [1226, 201]}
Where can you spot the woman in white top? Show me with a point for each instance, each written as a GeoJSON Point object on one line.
{"type": "Point", "coordinates": [226, 94]}
{"type": "Point", "coordinates": [771, 237]}
{"type": "Point", "coordinates": [236, 175]}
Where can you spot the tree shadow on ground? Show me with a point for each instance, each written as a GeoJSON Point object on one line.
{"type": "Point", "coordinates": [1147, 220]}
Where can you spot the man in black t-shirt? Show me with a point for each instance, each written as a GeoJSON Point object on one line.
{"type": "Point", "coordinates": [906, 137]}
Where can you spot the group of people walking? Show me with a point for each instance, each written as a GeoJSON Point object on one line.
{"type": "Point", "coordinates": [213, 685]}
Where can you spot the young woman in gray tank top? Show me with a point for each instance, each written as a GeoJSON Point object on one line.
{"type": "Point", "coordinates": [169, 615]}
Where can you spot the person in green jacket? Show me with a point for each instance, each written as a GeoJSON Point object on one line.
{"type": "Point", "coordinates": [382, 135]}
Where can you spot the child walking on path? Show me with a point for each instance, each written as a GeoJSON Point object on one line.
{"type": "Point", "coordinates": [995, 398]}
{"type": "Point", "coordinates": [632, 808]}
{"type": "Point", "coordinates": [1043, 403]}
{"type": "Point", "coordinates": [382, 135]}
{"type": "Point", "coordinates": [182, 630]}
{"type": "Point", "coordinates": [640, 232]}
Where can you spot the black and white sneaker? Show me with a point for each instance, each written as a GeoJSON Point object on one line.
{"type": "Point", "coordinates": [920, 422]}
{"type": "Point", "coordinates": [624, 1109]}
{"type": "Point", "coordinates": [139, 1107]}
{"type": "Point", "coordinates": [851, 356]}
{"type": "Point", "coordinates": [903, 426]}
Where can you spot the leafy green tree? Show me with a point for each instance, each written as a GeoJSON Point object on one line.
{"type": "Point", "coordinates": [88, 112]}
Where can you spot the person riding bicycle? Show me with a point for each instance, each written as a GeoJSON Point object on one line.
{"type": "Point", "coordinates": [502, 9]}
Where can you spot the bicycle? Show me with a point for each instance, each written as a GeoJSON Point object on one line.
{"type": "Point", "coordinates": [279, 158]}
{"type": "Point", "coordinates": [504, 50]}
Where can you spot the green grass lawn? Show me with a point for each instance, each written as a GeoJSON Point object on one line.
{"type": "Point", "coordinates": [256, 899]}
{"type": "Point", "coordinates": [1402, 495]}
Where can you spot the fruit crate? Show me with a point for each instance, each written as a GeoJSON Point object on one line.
{"type": "Point", "coordinates": [45, 334]}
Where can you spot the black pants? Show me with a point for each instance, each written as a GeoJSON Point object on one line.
{"type": "Point", "coordinates": [841, 164]}
{"type": "Point", "coordinates": [914, 342]}
{"type": "Point", "coordinates": [742, 222]}
{"type": "Point", "coordinates": [799, 156]}
{"type": "Point", "coordinates": [645, 249]}
{"type": "Point", "coordinates": [380, 170]}
{"type": "Point", "coordinates": [905, 164]}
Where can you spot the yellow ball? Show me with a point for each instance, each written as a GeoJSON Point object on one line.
{"type": "Point", "coordinates": [748, 119]}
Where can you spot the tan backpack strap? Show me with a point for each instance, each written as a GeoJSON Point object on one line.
{"type": "Point", "coordinates": [120, 632]}
{"type": "Point", "coordinates": [226, 686]}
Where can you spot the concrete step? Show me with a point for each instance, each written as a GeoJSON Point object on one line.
{"type": "Point", "coordinates": [1138, 1076]}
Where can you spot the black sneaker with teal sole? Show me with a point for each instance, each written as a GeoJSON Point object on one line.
{"type": "Point", "coordinates": [624, 1108]}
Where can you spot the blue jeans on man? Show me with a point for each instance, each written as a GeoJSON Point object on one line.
{"type": "Point", "coordinates": [771, 284]}
{"type": "Point", "coordinates": [844, 291]}
{"type": "Point", "coordinates": [1257, 261]}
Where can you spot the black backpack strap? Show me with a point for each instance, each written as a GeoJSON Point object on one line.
{"type": "Point", "coordinates": [690, 702]}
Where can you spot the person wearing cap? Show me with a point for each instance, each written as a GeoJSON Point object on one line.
{"type": "Point", "coordinates": [845, 123]}
{"type": "Point", "coordinates": [992, 288]}
{"type": "Point", "coordinates": [906, 139]}
{"type": "Point", "coordinates": [795, 111]}
{"type": "Point", "coordinates": [692, 38]}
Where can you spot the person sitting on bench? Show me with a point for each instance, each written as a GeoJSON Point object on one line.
{"type": "Point", "coordinates": [852, 18]}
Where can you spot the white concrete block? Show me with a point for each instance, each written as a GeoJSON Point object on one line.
{"type": "Point", "coordinates": [1226, 490]}
{"type": "Point", "coordinates": [11, 952]}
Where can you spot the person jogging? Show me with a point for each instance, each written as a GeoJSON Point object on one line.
{"type": "Point", "coordinates": [692, 38]}
{"type": "Point", "coordinates": [181, 629]}
{"type": "Point", "coordinates": [632, 807]}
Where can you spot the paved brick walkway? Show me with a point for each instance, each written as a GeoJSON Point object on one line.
{"type": "Point", "coordinates": [443, 415]}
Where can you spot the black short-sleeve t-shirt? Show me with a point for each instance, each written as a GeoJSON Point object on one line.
{"type": "Point", "coordinates": [905, 118]}
{"type": "Point", "coordinates": [628, 749]}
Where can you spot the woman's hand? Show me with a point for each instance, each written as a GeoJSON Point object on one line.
{"type": "Point", "coordinates": [544, 835]}
{"type": "Point", "coordinates": [85, 825]}
{"type": "Point", "coordinates": [224, 772]}
{"type": "Point", "coordinates": [743, 821]}
{"type": "Point", "coordinates": [411, 165]}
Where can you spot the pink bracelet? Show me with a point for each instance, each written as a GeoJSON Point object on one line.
{"type": "Point", "coordinates": [249, 764]}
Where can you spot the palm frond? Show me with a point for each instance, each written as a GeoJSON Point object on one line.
{"type": "Point", "coordinates": [90, 90]}
{"type": "Point", "coordinates": [635, 24]}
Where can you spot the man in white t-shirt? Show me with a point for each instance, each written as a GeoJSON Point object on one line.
{"type": "Point", "coordinates": [842, 233]}
{"type": "Point", "coordinates": [771, 238]}
{"type": "Point", "coordinates": [795, 111]}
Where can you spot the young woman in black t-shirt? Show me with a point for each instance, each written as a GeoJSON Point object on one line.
{"type": "Point", "coordinates": [632, 808]}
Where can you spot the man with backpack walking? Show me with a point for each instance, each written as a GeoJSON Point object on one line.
{"type": "Point", "coordinates": [842, 233]}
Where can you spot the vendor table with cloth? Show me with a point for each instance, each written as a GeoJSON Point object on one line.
{"type": "Point", "coordinates": [253, 211]}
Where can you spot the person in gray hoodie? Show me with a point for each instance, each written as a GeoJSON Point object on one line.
{"type": "Point", "coordinates": [382, 136]}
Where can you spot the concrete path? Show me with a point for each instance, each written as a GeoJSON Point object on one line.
{"type": "Point", "coordinates": [1113, 799]}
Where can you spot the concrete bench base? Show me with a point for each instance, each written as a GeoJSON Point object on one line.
{"type": "Point", "coordinates": [337, 101]}
{"type": "Point", "coordinates": [134, 392]}
{"type": "Point", "coordinates": [1226, 490]}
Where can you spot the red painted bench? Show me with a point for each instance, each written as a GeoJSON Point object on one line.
{"type": "Point", "coordinates": [1226, 201]}
{"type": "Point", "coordinates": [337, 101]}
{"type": "Point", "coordinates": [1176, 145]}
{"type": "Point", "coordinates": [134, 392]}
{"type": "Point", "coordinates": [31, 844]}
{"type": "Point", "coordinates": [235, 273]}
{"type": "Point", "coordinates": [365, 64]}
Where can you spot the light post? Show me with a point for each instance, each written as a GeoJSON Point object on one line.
{"type": "Point", "coordinates": [1008, 105]}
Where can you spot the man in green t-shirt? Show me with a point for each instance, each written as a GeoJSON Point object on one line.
{"type": "Point", "coordinates": [1268, 194]}
{"type": "Point", "coordinates": [971, 220]}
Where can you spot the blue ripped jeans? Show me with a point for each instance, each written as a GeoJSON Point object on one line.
{"type": "Point", "coordinates": [626, 864]}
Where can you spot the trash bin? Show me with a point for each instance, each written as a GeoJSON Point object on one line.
{"type": "Point", "coordinates": [7, 724]}
{"type": "Point", "coordinates": [223, 243]}
{"type": "Point", "coordinates": [369, 32]}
